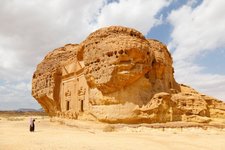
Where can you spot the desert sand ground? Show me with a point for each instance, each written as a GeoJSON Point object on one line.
{"type": "Point", "coordinates": [86, 135]}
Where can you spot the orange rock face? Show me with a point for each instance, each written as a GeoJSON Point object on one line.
{"type": "Point", "coordinates": [47, 78]}
{"type": "Point", "coordinates": [115, 57]}
{"type": "Point", "coordinates": [117, 75]}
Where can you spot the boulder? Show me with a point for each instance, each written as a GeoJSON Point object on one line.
{"type": "Point", "coordinates": [116, 75]}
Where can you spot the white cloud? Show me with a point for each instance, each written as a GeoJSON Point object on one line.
{"type": "Point", "coordinates": [198, 31]}
{"type": "Point", "coordinates": [30, 29]}
{"type": "Point", "coordinates": [138, 14]}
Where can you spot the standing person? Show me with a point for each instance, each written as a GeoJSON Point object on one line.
{"type": "Point", "coordinates": [32, 125]}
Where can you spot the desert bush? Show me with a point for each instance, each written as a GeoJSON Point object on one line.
{"type": "Point", "coordinates": [109, 128]}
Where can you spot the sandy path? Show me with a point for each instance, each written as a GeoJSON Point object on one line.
{"type": "Point", "coordinates": [14, 135]}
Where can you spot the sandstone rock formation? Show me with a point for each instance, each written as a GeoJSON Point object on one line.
{"type": "Point", "coordinates": [117, 75]}
{"type": "Point", "coordinates": [46, 79]}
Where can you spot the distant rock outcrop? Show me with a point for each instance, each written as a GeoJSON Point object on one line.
{"type": "Point", "coordinates": [117, 75]}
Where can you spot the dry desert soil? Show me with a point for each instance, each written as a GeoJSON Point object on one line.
{"type": "Point", "coordinates": [87, 135]}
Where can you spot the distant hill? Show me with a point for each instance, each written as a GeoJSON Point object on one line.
{"type": "Point", "coordinates": [29, 110]}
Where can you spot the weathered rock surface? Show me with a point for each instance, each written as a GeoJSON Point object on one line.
{"type": "Point", "coordinates": [46, 79]}
{"type": "Point", "coordinates": [117, 75]}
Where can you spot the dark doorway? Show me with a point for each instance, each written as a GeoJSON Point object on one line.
{"type": "Point", "coordinates": [82, 105]}
{"type": "Point", "coordinates": [67, 105]}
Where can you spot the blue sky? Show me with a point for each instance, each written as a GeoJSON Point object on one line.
{"type": "Point", "coordinates": [162, 32]}
{"type": "Point", "coordinates": [193, 30]}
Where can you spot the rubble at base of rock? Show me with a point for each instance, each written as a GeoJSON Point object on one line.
{"type": "Point", "coordinates": [117, 75]}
